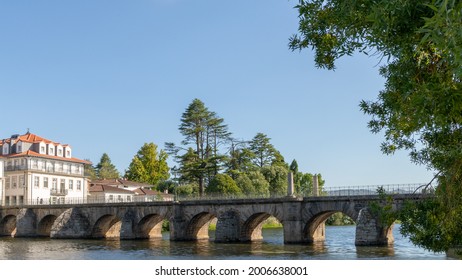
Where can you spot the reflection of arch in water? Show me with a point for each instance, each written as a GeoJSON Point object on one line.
{"type": "Point", "coordinates": [315, 228]}
{"type": "Point", "coordinates": [150, 227]}
{"type": "Point", "coordinates": [198, 227]}
{"type": "Point", "coordinates": [8, 226]}
{"type": "Point", "coordinates": [252, 227]}
{"type": "Point", "coordinates": [108, 226]}
{"type": "Point", "coordinates": [45, 225]}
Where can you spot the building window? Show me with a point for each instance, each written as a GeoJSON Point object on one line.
{"type": "Point", "coordinates": [7, 183]}
{"type": "Point", "coordinates": [34, 163]}
{"type": "Point", "coordinates": [45, 182]}
{"type": "Point", "coordinates": [7, 200]}
{"type": "Point", "coordinates": [21, 181]}
{"type": "Point", "coordinates": [68, 153]}
{"type": "Point", "coordinates": [119, 198]}
{"type": "Point", "coordinates": [62, 185]}
{"type": "Point", "coordinates": [5, 149]}
{"type": "Point", "coordinates": [129, 198]}
{"type": "Point", "coordinates": [19, 148]}
{"type": "Point", "coordinates": [36, 181]}
{"type": "Point", "coordinates": [111, 197]}
{"type": "Point", "coordinates": [71, 184]}
{"type": "Point", "coordinates": [52, 151]}
{"type": "Point", "coordinates": [21, 200]}
{"type": "Point", "coordinates": [14, 182]}
{"type": "Point", "coordinates": [79, 185]}
{"type": "Point", "coordinates": [60, 152]}
{"type": "Point", "coordinates": [54, 184]}
{"type": "Point", "coordinates": [42, 149]}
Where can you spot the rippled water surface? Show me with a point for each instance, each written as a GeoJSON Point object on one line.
{"type": "Point", "coordinates": [339, 244]}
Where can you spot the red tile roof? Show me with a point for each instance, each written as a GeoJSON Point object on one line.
{"type": "Point", "coordinates": [105, 188]}
{"type": "Point", "coordinates": [30, 138]}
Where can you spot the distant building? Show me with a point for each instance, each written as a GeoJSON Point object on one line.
{"type": "Point", "coordinates": [119, 190]}
{"type": "Point", "coordinates": [107, 194]}
{"type": "Point", "coordinates": [40, 171]}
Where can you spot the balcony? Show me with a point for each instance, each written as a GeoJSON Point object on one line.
{"type": "Point", "coordinates": [56, 192]}
{"type": "Point", "coordinates": [50, 170]}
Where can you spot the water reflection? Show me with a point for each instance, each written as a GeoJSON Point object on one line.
{"type": "Point", "coordinates": [373, 252]}
{"type": "Point", "coordinates": [339, 244]}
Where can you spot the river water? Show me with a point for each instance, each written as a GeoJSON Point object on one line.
{"type": "Point", "coordinates": [339, 245]}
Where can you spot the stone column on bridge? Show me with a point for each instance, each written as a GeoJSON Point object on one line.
{"type": "Point", "coordinates": [290, 184]}
{"type": "Point", "coordinates": [315, 185]}
{"type": "Point", "coordinates": [178, 224]}
{"type": "Point", "coordinates": [292, 223]}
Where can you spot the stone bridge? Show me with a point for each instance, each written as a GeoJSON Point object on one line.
{"type": "Point", "coordinates": [238, 220]}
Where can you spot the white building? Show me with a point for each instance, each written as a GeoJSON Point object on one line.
{"type": "Point", "coordinates": [109, 194]}
{"type": "Point", "coordinates": [121, 190]}
{"type": "Point", "coordinates": [40, 171]}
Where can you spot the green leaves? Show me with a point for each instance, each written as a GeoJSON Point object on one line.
{"type": "Point", "coordinates": [148, 166]}
{"type": "Point", "coordinates": [105, 169]}
{"type": "Point", "coordinates": [420, 107]}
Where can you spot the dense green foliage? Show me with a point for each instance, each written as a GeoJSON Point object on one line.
{"type": "Point", "coordinates": [339, 219]}
{"type": "Point", "coordinates": [90, 171]}
{"type": "Point", "coordinates": [203, 133]}
{"type": "Point", "coordinates": [420, 108]}
{"type": "Point", "coordinates": [148, 165]}
{"type": "Point", "coordinates": [223, 184]}
{"type": "Point", "coordinates": [105, 169]}
{"type": "Point", "coordinates": [215, 162]}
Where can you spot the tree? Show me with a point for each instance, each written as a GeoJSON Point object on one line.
{"type": "Point", "coordinates": [253, 183]}
{"type": "Point", "coordinates": [105, 169]}
{"type": "Point", "coordinates": [148, 166]}
{"type": "Point", "coordinates": [240, 160]}
{"type": "Point", "coordinates": [90, 171]}
{"type": "Point", "coordinates": [260, 185]}
{"type": "Point", "coordinates": [420, 108]}
{"type": "Point", "coordinates": [263, 150]}
{"type": "Point", "coordinates": [277, 179]}
{"type": "Point", "coordinates": [203, 133]}
{"type": "Point", "coordinates": [223, 184]}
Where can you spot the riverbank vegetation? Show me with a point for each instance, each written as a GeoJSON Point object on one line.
{"type": "Point", "coordinates": [211, 161]}
{"type": "Point", "coordinates": [420, 108]}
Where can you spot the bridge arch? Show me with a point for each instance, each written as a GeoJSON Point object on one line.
{"type": "Point", "coordinates": [150, 226]}
{"type": "Point", "coordinates": [315, 227]}
{"type": "Point", "coordinates": [198, 226]}
{"type": "Point", "coordinates": [8, 225]}
{"type": "Point", "coordinates": [45, 225]}
{"type": "Point", "coordinates": [107, 226]}
{"type": "Point", "coordinates": [252, 227]}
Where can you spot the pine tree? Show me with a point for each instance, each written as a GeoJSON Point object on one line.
{"type": "Point", "coordinates": [105, 169]}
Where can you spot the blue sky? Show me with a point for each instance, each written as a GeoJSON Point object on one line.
{"type": "Point", "coordinates": [110, 75]}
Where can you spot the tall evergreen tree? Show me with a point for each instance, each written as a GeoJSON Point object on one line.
{"type": "Point", "coordinates": [203, 133]}
{"type": "Point", "coordinates": [105, 169]}
{"type": "Point", "coordinates": [90, 171]}
{"type": "Point", "coordinates": [262, 149]}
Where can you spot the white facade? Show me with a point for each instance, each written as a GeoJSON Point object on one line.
{"type": "Point", "coordinates": [37, 171]}
{"type": "Point", "coordinates": [110, 197]}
